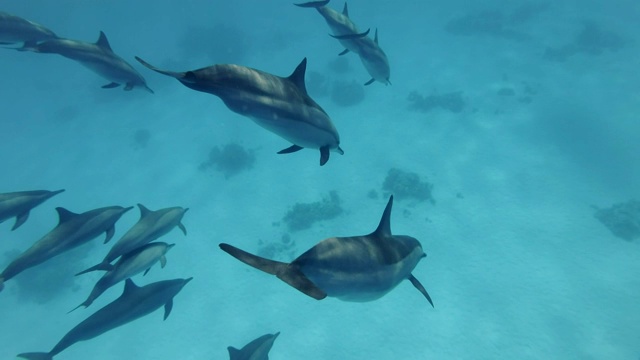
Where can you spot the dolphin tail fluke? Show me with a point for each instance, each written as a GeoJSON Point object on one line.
{"type": "Point", "coordinates": [420, 288]}
{"type": "Point", "coordinates": [313, 4]}
{"type": "Point", "coordinates": [177, 75]}
{"type": "Point", "coordinates": [288, 273]}
{"type": "Point", "coordinates": [36, 356]}
{"type": "Point", "coordinates": [86, 304]}
{"type": "Point", "coordinates": [104, 266]}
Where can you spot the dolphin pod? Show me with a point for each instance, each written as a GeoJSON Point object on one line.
{"type": "Point", "coordinates": [72, 231]}
{"type": "Point", "coordinates": [371, 55]}
{"type": "Point", "coordinates": [19, 204]}
{"type": "Point", "coordinates": [257, 349]}
{"type": "Point", "coordinates": [278, 104]}
{"type": "Point", "coordinates": [357, 268]}
{"type": "Point", "coordinates": [134, 303]}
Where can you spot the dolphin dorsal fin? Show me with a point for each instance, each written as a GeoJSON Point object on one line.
{"type": "Point", "coordinates": [297, 77]}
{"type": "Point", "coordinates": [103, 42]}
{"type": "Point", "coordinates": [234, 354]}
{"type": "Point", "coordinates": [64, 215]}
{"type": "Point", "coordinates": [129, 287]}
{"type": "Point", "coordinates": [375, 38]}
{"type": "Point", "coordinates": [384, 228]}
{"type": "Point", "coordinates": [345, 10]}
{"type": "Point", "coordinates": [143, 210]}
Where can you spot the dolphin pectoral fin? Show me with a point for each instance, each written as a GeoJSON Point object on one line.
{"type": "Point", "coordinates": [420, 288]}
{"type": "Point", "coordinates": [351, 36]}
{"type": "Point", "coordinates": [102, 266]}
{"type": "Point", "coordinates": [285, 272]}
{"type": "Point", "coordinates": [146, 271]}
{"type": "Point", "coordinates": [177, 75]}
{"type": "Point", "coordinates": [313, 4]}
{"type": "Point", "coordinates": [110, 231]}
{"type": "Point", "coordinates": [343, 52]}
{"type": "Point", "coordinates": [163, 262]}
{"type": "Point", "coordinates": [290, 149]}
{"type": "Point", "coordinates": [324, 155]}
{"type": "Point", "coordinates": [184, 229]}
{"type": "Point", "coordinates": [1, 283]}
{"type": "Point", "coordinates": [20, 219]}
{"type": "Point", "coordinates": [111, 85]}
{"type": "Point", "coordinates": [167, 309]}
{"type": "Point", "coordinates": [370, 82]}
{"type": "Point", "coordinates": [36, 356]}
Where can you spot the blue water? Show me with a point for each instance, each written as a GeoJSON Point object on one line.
{"type": "Point", "coordinates": [517, 265]}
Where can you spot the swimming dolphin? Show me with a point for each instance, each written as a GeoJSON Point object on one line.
{"type": "Point", "coordinates": [151, 226]}
{"type": "Point", "coordinates": [340, 24]}
{"type": "Point", "coordinates": [19, 204]}
{"type": "Point", "coordinates": [72, 231]}
{"type": "Point", "coordinates": [358, 268]}
{"type": "Point", "coordinates": [280, 105]}
{"type": "Point", "coordinates": [134, 303]}
{"type": "Point", "coordinates": [98, 57]}
{"type": "Point", "coordinates": [130, 264]}
{"type": "Point", "coordinates": [257, 349]}
{"type": "Point", "coordinates": [374, 60]}
{"type": "Point", "coordinates": [14, 29]}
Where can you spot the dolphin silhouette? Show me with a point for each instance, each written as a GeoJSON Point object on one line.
{"type": "Point", "coordinates": [14, 29]}
{"type": "Point", "coordinates": [130, 264]}
{"type": "Point", "coordinates": [72, 231]}
{"type": "Point", "coordinates": [19, 204]}
{"type": "Point", "coordinates": [151, 226]}
{"type": "Point", "coordinates": [280, 105]}
{"type": "Point", "coordinates": [98, 57]}
{"type": "Point", "coordinates": [257, 349]}
{"type": "Point", "coordinates": [134, 303]}
{"type": "Point", "coordinates": [356, 268]}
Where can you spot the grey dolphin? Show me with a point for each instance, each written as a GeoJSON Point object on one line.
{"type": "Point", "coordinates": [19, 204]}
{"type": "Point", "coordinates": [257, 349]}
{"type": "Point", "coordinates": [72, 231]}
{"type": "Point", "coordinates": [14, 29]}
{"type": "Point", "coordinates": [374, 59]}
{"type": "Point", "coordinates": [340, 24]}
{"type": "Point", "coordinates": [280, 105]}
{"type": "Point", "coordinates": [134, 303]}
{"type": "Point", "coordinates": [357, 268]}
{"type": "Point", "coordinates": [151, 226]}
{"type": "Point", "coordinates": [130, 264]}
{"type": "Point", "coordinates": [98, 57]}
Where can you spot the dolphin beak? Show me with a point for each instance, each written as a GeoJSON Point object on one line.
{"type": "Point", "coordinates": [339, 150]}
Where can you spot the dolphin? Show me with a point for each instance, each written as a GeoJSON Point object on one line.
{"type": "Point", "coordinates": [72, 231]}
{"type": "Point", "coordinates": [340, 24]}
{"type": "Point", "coordinates": [98, 57]}
{"type": "Point", "coordinates": [357, 268]}
{"type": "Point", "coordinates": [257, 349]}
{"type": "Point", "coordinates": [374, 60]}
{"type": "Point", "coordinates": [14, 29]}
{"type": "Point", "coordinates": [151, 226]}
{"type": "Point", "coordinates": [130, 264]}
{"type": "Point", "coordinates": [280, 105]}
{"type": "Point", "coordinates": [19, 204]}
{"type": "Point", "coordinates": [134, 303]}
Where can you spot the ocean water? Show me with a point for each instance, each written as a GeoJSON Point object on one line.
{"type": "Point", "coordinates": [518, 266]}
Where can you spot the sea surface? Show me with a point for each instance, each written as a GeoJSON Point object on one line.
{"type": "Point", "coordinates": [520, 119]}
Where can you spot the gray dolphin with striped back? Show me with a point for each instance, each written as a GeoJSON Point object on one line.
{"type": "Point", "coordinates": [98, 57]}
{"type": "Point", "coordinates": [278, 104]}
{"type": "Point", "coordinates": [134, 303]}
{"type": "Point", "coordinates": [151, 226]}
{"type": "Point", "coordinates": [72, 231]}
{"type": "Point", "coordinates": [19, 204]}
{"type": "Point", "coordinates": [14, 29]}
{"type": "Point", "coordinates": [356, 268]}
{"type": "Point", "coordinates": [130, 264]}
{"type": "Point", "coordinates": [257, 349]}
